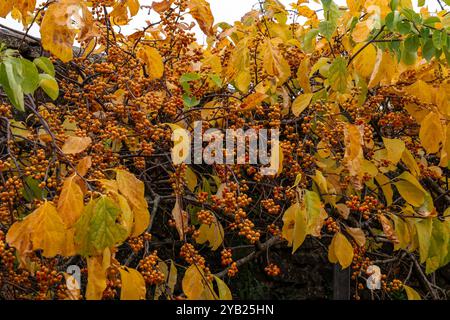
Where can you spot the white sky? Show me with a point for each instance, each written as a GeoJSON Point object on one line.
{"type": "Point", "coordinates": [223, 11]}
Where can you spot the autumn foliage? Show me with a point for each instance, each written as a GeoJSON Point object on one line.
{"type": "Point", "coordinates": [360, 95]}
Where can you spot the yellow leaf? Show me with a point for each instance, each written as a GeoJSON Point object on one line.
{"type": "Point", "coordinates": [224, 291]}
{"type": "Point", "coordinates": [301, 103]}
{"type": "Point", "coordinates": [191, 179]}
{"type": "Point", "coordinates": [331, 254]}
{"type": "Point", "coordinates": [410, 162]}
{"type": "Point", "coordinates": [431, 133]}
{"type": "Point", "coordinates": [195, 285]}
{"type": "Point", "coordinates": [343, 250]}
{"type": "Point", "coordinates": [133, 284]}
{"type": "Point", "coordinates": [126, 217]}
{"type": "Point", "coordinates": [57, 33]}
{"type": "Point", "coordinates": [385, 185]}
{"type": "Point", "coordinates": [74, 145]}
{"type": "Point", "coordinates": [70, 202]}
{"type": "Point", "coordinates": [323, 150]}
{"type": "Point", "coordinates": [134, 191]}
{"type": "Point", "coordinates": [274, 63]}
{"type": "Point", "coordinates": [410, 189]}
{"type": "Point", "coordinates": [201, 12]}
{"type": "Point", "coordinates": [353, 156]}
{"type": "Point", "coordinates": [152, 60]}
{"type": "Point", "coordinates": [361, 32]}
{"type": "Point", "coordinates": [43, 229]}
{"type": "Point", "coordinates": [84, 165]}
{"type": "Point", "coordinates": [321, 182]}
{"type": "Point", "coordinates": [253, 100]}
{"type": "Point", "coordinates": [5, 7]}
{"type": "Point", "coordinates": [402, 230]}
{"type": "Point", "coordinates": [364, 62]}
{"type": "Point", "coordinates": [161, 6]}
{"type": "Point", "coordinates": [212, 233]}
{"type": "Point", "coordinates": [97, 266]}
{"type": "Point", "coordinates": [411, 293]}
{"type": "Point", "coordinates": [303, 75]}
{"type": "Point", "coordinates": [395, 148]}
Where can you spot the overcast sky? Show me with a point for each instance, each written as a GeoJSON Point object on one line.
{"type": "Point", "coordinates": [223, 10]}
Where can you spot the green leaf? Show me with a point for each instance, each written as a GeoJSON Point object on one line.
{"type": "Point", "coordinates": [424, 228]}
{"type": "Point", "coordinates": [10, 81]}
{"type": "Point", "coordinates": [310, 36]}
{"type": "Point", "coordinates": [104, 229]}
{"type": "Point", "coordinates": [411, 15]}
{"type": "Point", "coordinates": [31, 190]}
{"type": "Point", "coordinates": [438, 248]}
{"type": "Point", "coordinates": [189, 101]}
{"type": "Point", "coordinates": [216, 79]}
{"type": "Point", "coordinates": [45, 65]}
{"type": "Point", "coordinates": [337, 75]}
{"type": "Point", "coordinates": [82, 229]}
{"type": "Point", "coordinates": [404, 27]}
{"type": "Point", "coordinates": [98, 227]}
{"type": "Point", "coordinates": [327, 29]}
{"type": "Point", "coordinates": [439, 39]}
{"type": "Point", "coordinates": [49, 85]}
{"type": "Point", "coordinates": [428, 50]}
{"type": "Point", "coordinates": [30, 76]}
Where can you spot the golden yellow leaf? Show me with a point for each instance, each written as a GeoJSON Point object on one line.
{"type": "Point", "coordinates": [224, 291]}
{"type": "Point", "coordinates": [361, 32]}
{"type": "Point", "coordinates": [410, 189]}
{"type": "Point", "coordinates": [152, 60]}
{"type": "Point", "coordinates": [395, 148]}
{"type": "Point", "coordinates": [196, 286]}
{"type": "Point", "coordinates": [301, 103]}
{"type": "Point", "coordinates": [43, 229]}
{"type": "Point", "coordinates": [411, 293]}
{"type": "Point", "coordinates": [70, 202]}
{"type": "Point", "coordinates": [161, 6]}
{"type": "Point", "coordinates": [431, 133]}
{"type": "Point", "coordinates": [353, 156]}
{"type": "Point", "coordinates": [385, 185]}
{"type": "Point", "coordinates": [97, 266]}
{"type": "Point", "coordinates": [274, 63]}
{"type": "Point", "coordinates": [201, 12]}
{"type": "Point", "coordinates": [410, 162]}
{"type": "Point", "coordinates": [321, 181]}
{"type": "Point", "coordinates": [74, 145]}
{"type": "Point", "coordinates": [133, 284]}
{"type": "Point", "coordinates": [57, 33]}
{"type": "Point", "coordinates": [253, 100]}
{"type": "Point", "coordinates": [343, 250]}
{"type": "Point", "coordinates": [295, 225]}
{"type": "Point", "coordinates": [212, 233]}
{"type": "Point", "coordinates": [134, 191]}
{"type": "Point", "coordinates": [5, 7]}
{"type": "Point", "coordinates": [364, 62]}
{"type": "Point", "coordinates": [303, 75]}
{"type": "Point", "coordinates": [126, 217]}
{"type": "Point", "coordinates": [84, 165]}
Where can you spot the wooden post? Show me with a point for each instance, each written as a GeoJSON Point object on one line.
{"type": "Point", "coordinates": [341, 283]}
